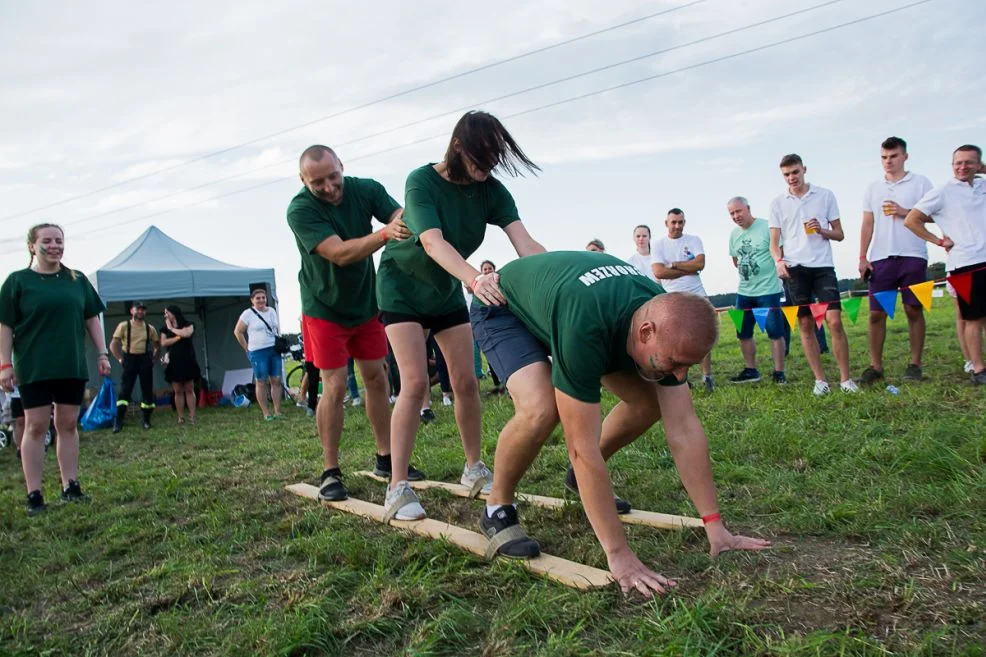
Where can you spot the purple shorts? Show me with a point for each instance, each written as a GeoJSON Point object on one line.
{"type": "Point", "coordinates": [897, 272]}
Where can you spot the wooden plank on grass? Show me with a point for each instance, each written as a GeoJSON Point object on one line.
{"type": "Point", "coordinates": [560, 570]}
{"type": "Point", "coordinates": [635, 517]}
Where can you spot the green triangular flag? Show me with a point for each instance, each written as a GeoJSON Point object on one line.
{"type": "Point", "coordinates": [737, 317]}
{"type": "Point", "coordinates": [851, 306]}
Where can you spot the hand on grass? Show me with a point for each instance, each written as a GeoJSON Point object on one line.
{"type": "Point", "coordinates": [632, 575]}
{"type": "Point", "coordinates": [721, 540]}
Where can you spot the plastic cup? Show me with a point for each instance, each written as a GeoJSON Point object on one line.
{"type": "Point", "coordinates": [888, 209]}
{"type": "Point", "coordinates": [809, 230]}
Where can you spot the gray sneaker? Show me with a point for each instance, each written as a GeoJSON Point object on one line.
{"type": "Point", "coordinates": [477, 476]}
{"type": "Point", "coordinates": [913, 373]}
{"type": "Point", "coordinates": [979, 378]}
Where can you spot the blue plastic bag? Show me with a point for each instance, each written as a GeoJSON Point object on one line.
{"type": "Point", "coordinates": [102, 410]}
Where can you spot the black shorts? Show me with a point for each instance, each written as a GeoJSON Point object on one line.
{"type": "Point", "coordinates": [58, 391]}
{"type": "Point", "coordinates": [975, 308]}
{"type": "Point", "coordinates": [16, 408]}
{"type": "Point", "coordinates": [808, 284]}
{"type": "Point", "coordinates": [434, 323]}
{"type": "Point", "coordinates": [507, 343]}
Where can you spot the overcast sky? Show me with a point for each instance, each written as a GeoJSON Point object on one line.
{"type": "Point", "coordinates": [98, 93]}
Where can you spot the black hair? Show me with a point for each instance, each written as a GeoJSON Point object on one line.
{"type": "Point", "coordinates": [893, 143]}
{"type": "Point", "coordinates": [969, 147]}
{"type": "Point", "coordinates": [793, 159]}
{"type": "Point", "coordinates": [676, 211]}
{"type": "Point", "coordinates": [484, 140]}
{"type": "Point", "coordinates": [180, 321]}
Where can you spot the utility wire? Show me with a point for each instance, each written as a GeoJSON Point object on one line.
{"type": "Point", "coordinates": [538, 108]}
{"type": "Point", "coordinates": [355, 108]}
{"type": "Point", "coordinates": [463, 108]}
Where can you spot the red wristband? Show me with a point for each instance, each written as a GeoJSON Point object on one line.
{"type": "Point", "coordinates": [8, 366]}
{"type": "Point", "coordinates": [940, 242]}
{"type": "Point", "coordinates": [383, 234]}
{"type": "Point", "coordinates": [712, 517]}
{"type": "Point", "coordinates": [472, 286]}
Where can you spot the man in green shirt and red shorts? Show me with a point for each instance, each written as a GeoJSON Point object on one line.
{"type": "Point", "coordinates": [604, 324]}
{"type": "Point", "coordinates": [330, 219]}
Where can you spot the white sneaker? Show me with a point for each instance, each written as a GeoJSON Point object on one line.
{"type": "Point", "coordinates": [477, 472]}
{"type": "Point", "coordinates": [967, 368]}
{"type": "Point", "coordinates": [849, 386]}
{"type": "Point", "coordinates": [821, 389]}
{"type": "Point", "coordinates": [357, 401]}
{"type": "Point", "coordinates": [446, 401]}
{"type": "Point", "coordinates": [410, 508]}
{"type": "Point", "coordinates": [346, 398]}
{"type": "Point", "coordinates": [392, 400]}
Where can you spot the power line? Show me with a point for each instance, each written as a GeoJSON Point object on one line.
{"type": "Point", "coordinates": [539, 108]}
{"type": "Point", "coordinates": [355, 108]}
{"type": "Point", "coordinates": [456, 110]}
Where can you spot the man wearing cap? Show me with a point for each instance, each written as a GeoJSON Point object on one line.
{"type": "Point", "coordinates": [135, 346]}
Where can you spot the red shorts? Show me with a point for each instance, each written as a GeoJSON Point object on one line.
{"type": "Point", "coordinates": [329, 346]}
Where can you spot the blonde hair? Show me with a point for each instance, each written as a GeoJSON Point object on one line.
{"type": "Point", "coordinates": [32, 237]}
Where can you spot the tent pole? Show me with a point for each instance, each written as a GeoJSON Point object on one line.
{"type": "Point", "coordinates": [205, 331]}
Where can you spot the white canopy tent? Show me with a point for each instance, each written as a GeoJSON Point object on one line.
{"type": "Point", "coordinates": [160, 271]}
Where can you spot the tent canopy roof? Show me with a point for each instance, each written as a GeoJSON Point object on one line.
{"type": "Point", "coordinates": [155, 266]}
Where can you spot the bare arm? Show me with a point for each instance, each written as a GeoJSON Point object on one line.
{"type": "Point", "coordinates": [690, 449]}
{"type": "Point", "coordinates": [167, 342]}
{"type": "Point", "coordinates": [777, 253]}
{"type": "Point", "coordinates": [833, 232]}
{"type": "Point", "coordinates": [95, 331]}
{"type": "Point", "coordinates": [664, 272]}
{"type": "Point", "coordinates": [116, 348]}
{"type": "Point", "coordinates": [7, 378]}
{"type": "Point", "coordinates": [346, 252]}
{"type": "Point", "coordinates": [239, 332]}
{"type": "Point", "coordinates": [693, 266]}
{"type": "Point", "coordinates": [915, 222]}
{"type": "Point", "coordinates": [735, 262]}
{"type": "Point", "coordinates": [485, 288]}
{"type": "Point", "coordinates": [521, 240]}
{"type": "Point", "coordinates": [865, 237]}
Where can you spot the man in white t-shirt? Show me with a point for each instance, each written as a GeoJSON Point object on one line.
{"type": "Point", "coordinates": [897, 258]}
{"type": "Point", "coordinates": [805, 218]}
{"type": "Point", "coordinates": [676, 261]}
{"type": "Point", "coordinates": [959, 208]}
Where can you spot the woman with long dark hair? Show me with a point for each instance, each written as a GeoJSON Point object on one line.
{"type": "Point", "coordinates": [447, 208]}
{"type": "Point", "coordinates": [181, 369]}
{"type": "Point", "coordinates": [46, 311]}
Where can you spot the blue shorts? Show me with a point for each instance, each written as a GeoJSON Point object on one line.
{"type": "Point", "coordinates": [775, 318]}
{"type": "Point", "coordinates": [507, 343]}
{"type": "Point", "coordinates": [266, 363]}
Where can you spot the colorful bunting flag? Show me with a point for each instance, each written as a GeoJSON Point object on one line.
{"type": "Point", "coordinates": [737, 317]}
{"type": "Point", "coordinates": [791, 314]}
{"type": "Point", "coordinates": [760, 314]}
{"type": "Point", "coordinates": [887, 300]}
{"type": "Point", "coordinates": [851, 306]}
{"type": "Point", "coordinates": [923, 293]}
{"type": "Point", "coordinates": [962, 284]}
{"type": "Point", "coordinates": [818, 312]}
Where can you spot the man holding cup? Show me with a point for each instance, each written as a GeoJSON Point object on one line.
{"type": "Point", "coordinates": [897, 257]}
{"type": "Point", "coordinates": [805, 219]}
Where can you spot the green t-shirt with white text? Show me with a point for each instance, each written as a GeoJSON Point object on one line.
{"type": "Point", "coordinates": [580, 304]}
{"type": "Point", "coordinates": [757, 271]}
{"type": "Point", "coordinates": [409, 281]}
{"type": "Point", "coordinates": [342, 295]}
{"type": "Point", "coordinates": [47, 314]}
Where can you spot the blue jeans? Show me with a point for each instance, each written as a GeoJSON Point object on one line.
{"type": "Point", "coordinates": [266, 363]}
{"type": "Point", "coordinates": [351, 379]}
{"type": "Point", "coordinates": [775, 319]}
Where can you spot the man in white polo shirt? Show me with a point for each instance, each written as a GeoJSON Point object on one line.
{"type": "Point", "coordinates": [805, 218]}
{"type": "Point", "coordinates": [676, 261]}
{"type": "Point", "coordinates": [897, 257]}
{"type": "Point", "coordinates": [959, 208]}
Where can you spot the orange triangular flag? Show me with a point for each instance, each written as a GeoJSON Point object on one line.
{"type": "Point", "coordinates": [962, 284]}
{"type": "Point", "coordinates": [818, 312]}
{"type": "Point", "coordinates": [791, 313]}
{"type": "Point", "coordinates": [923, 292]}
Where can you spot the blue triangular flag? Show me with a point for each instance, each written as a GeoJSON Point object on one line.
{"type": "Point", "coordinates": [887, 301]}
{"type": "Point", "coordinates": [760, 314]}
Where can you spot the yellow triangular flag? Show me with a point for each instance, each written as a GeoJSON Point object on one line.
{"type": "Point", "coordinates": [791, 312]}
{"type": "Point", "coordinates": [923, 292]}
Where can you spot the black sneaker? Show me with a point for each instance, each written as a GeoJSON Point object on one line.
{"type": "Point", "coordinates": [504, 518]}
{"type": "Point", "coordinates": [979, 378]}
{"type": "Point", "coordinates": [710, 385]}
{"type": "Point", "coordinates": [35, 503]}
{"type": "Point", "coordinates": [74, 493]}
{"type": "Point", "coordinates": [385, 469]}
{"type": "Point", "coordinates": [779, 378]}
{"type": "Point", "coordinates": [870, 376]}
{"type": "Point", "coordinates": [331, 488]}
{"type": "Point", "coordinates": [748, 375]}
{"type": "Point", "coordinates": [913, 373]}
{"type": "Point", "coordinates": [622, 506]}
{"type": "Point", "coordinates": [427, 415]}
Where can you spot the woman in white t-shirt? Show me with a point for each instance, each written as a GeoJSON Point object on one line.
{"type": "Point", "coordinates": [641, 258]}
{"type": "Point", "coordinates": [255, 331]}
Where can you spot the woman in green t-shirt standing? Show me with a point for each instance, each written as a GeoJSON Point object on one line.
{"type": "Point", "coordinates": [447, 208]}
{"type": "Point", "coordinates": [46, 311]}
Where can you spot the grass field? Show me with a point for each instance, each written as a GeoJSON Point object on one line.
{"type": "Point", "coordinates": [192, 547]}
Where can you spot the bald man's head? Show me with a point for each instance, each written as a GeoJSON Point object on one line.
{"type": "Point", "coordinates": [321, 172]}
{"type": "Point", "coordinates": [671, 332]}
